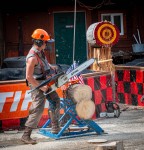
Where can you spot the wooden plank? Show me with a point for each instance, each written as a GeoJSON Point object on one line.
{"type": "Point", "coordinates": [96, 73]}
{"type": "Point", "coordinates": [76, 128]}
{"type": "Point", "coordinates": [120, 67]}
{"type": "Point", "coordinates": [12, 81]}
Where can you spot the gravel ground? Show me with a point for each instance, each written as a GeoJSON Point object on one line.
{"type": "Point", "coordinates": [128, 128]}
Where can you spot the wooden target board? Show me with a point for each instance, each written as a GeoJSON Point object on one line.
{"type": "Point", "coordinates": [104, 34]}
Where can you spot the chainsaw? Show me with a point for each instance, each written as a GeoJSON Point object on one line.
{"type": "Point", "coordinates": [62, 78]}
{"type": "Point", "coordinates": [112, 110]}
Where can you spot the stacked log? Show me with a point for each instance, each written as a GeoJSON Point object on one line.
{"type": "Point", "coordinates": [81, 95]}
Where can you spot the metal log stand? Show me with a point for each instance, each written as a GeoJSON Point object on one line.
{"type": "Point", "coordinates": [81, 127]}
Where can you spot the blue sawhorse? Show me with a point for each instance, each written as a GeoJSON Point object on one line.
{"type": "Point", "coordinates": [69, 110]}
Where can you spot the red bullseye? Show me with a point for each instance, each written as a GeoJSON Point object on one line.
{"type": "Point", "coordinates": [103, 34]}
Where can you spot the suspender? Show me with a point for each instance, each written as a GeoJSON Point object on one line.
{"type": "Point", "coordinates": [39, 60]}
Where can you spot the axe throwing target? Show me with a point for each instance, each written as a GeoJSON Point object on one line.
{"type": "Point", "coordinates": [103, 34]}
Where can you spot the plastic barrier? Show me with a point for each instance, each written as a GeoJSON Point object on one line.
{"type": "Point", "coordinates": [129, 85]}
{"type": "Point", "coordinates": [15, 100]}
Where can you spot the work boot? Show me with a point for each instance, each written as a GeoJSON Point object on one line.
{"type": "Point", "coordinates": [54, 121]}
{"type": "Point", "coordinates": [55, 127]}
{"type": "Point", "coordinates": [26, 136]}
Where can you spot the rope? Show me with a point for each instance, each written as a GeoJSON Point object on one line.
{"type": "Point", "coordinates": [74, 32]}
{"type": "Point", "coordinates": [91, 7]}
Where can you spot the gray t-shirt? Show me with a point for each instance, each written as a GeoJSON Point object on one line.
{"type": "Point", "coordinates": [38, 73]}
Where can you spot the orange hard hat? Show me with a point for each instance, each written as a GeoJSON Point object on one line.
{"type": "Point", "coordinates": [40, 34]}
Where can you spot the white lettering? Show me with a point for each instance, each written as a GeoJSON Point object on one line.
{"type": "Point", "coordinates": [3, 97]}
{"type": "Point", "coordinates": [26, 100]}
{"type": "Point", "coordinates": [46, 104]}
{"type": "Point", "coordinates": [17, 97]}
{"type": "Point", "coordinates": [16, 101]}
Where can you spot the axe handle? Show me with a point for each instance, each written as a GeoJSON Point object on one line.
{"type": "Point", "coordinates": [101, 61]}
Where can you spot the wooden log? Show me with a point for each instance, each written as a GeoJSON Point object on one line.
{"type": "Point", "coordinates": [79, 92]}
{"type": "Point", "coordinates": [85, 109]}
{"type": "Point", "coordinates": [116, 145]}
{"type": "Point", "coordinates": [104, 56]}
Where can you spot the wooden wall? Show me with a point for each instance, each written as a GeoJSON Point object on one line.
{"type": "Point", "coordinates": [133, 18]}
{"type": "Point", "coordinates": [18, 27]}
{"type": "Point", "coordinates": [18, 30]}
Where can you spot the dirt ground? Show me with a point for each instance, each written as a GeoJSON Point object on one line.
{"type": "Point", "coordinates": [128, 128]}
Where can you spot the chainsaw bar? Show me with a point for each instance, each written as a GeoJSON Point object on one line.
{"type": "Point", "coordinates": [65, 78]}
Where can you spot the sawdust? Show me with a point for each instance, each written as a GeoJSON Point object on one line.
{"type": "Point", "coordinates": [124, 107]}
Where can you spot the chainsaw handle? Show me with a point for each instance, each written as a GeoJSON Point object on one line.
{"type": "Point", "coordinates": [39, 86]}
{"type": "Point", "coordinates": [48, 91]}
{"type": "Point", "coordinates": [55, 77]}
